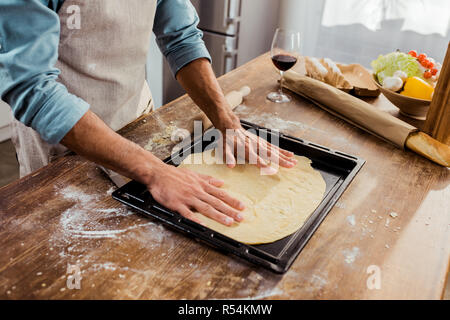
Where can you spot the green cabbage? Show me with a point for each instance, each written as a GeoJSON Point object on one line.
{"type": "Point", "coordinates": [385, 66]}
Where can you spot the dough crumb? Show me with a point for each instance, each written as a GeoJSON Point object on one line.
{"type": "Point", "coordinates": [393, 214]}
{"type": "Point", "coordinates": [161, 138]}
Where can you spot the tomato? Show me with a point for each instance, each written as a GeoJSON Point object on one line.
{"type": "Point", "coordinates": [427, 75]}
{"type": "Point", "coordinates": [430, 65]}
{"type": "Point", "coordinates": [413, 53]}
{"type": "Point", "coordinates": [424, 63]}
{"type": "Point", "coordinates": [422, 56]}
{"type": "Point", "coordinates": [434, 71]}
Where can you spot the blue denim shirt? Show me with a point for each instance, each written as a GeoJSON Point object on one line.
{"type": "Point", "coordinates": [29, 39]}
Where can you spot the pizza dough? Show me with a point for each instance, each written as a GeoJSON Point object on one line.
{"type": "Point", "coordinates": [276, 205]}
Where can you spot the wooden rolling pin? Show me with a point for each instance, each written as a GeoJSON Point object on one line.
{"type": "Point", "coordinates": [234, 99]}
{"type": "Point", "coordinates": [368, 118]}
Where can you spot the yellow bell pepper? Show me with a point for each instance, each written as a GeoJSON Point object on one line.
{"type": "Point", "coordinates": [417, 88]}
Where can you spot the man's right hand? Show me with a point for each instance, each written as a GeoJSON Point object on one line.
{"type": "Point", "coordinates": [183, 191]}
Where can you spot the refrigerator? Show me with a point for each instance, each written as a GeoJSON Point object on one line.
{"type": "Point", "coordinates": [234, 31]}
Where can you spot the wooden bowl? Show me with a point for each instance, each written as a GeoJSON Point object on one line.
{"type": "Point", "coordinates": [410, 107]}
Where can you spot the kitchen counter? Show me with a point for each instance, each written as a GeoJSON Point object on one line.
{"type": "Point", "coordinates": [393, 221]}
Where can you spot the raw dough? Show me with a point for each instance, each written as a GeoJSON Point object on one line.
{"type": "Point", "coordinates": [276, 205]}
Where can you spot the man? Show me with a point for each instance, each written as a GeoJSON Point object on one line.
{"type": "Point", "coordinates": [73, 71]}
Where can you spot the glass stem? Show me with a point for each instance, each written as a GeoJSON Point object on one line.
{"type": "Point", "coordinates": [281, 83]}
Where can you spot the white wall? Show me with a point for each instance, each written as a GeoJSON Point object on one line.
{"type": "Point", "coordinates": [5, 119]}
{"type": "Point", "coordinates": [304, 16]}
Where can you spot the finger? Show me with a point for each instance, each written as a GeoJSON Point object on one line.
{"type": "Point", "coordinates": [272, 153]}
{"type": "Point", "coordinates": [229, 157]}
{"type": "Point", "coordinates": [207, 210]}
{"type": "Point", "coordinates": [260, 162]}
{"type": "Point", "coordinates": [221, 206]}
{"type": "Point", "coordinates": [274, 156]}
{"type": "Point", "coordinates": [185, 212]}
{"type": "Point", "coordinates": [211, 180]}
{"type": "Point", "coordinates": [269, 145]}
{"type": "Point", "coordinates": [225, 197]}
{"type": "Point", "coordinates": [283, 152]}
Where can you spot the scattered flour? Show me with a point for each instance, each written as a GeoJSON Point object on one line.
{"type": "Point", "coordinates": [262, 295]}
{"type": "Point", "coordinates": [270, 121]}
{"type": "Point", "coordinates": [161, 138]}
{"type": "Point", "coordinates": [351, 220]}
{"type": "Point", "coordinates": [110, 191]}
{"type": "Point", "coordinates": [350, 254]}
{"type": "Point", "coordinates": [318, 282]}
{"type": "Point", "coordinates": [266, 294]}
{"type": "Point", "coordinates": [84, 220]}
{"type": "Point", "coordinates": [105, 266]}
{"type": "Point", "coordinates": [83, 224]}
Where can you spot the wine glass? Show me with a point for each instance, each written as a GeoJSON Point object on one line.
{"type": "Point", "coordinates": [285, 52]}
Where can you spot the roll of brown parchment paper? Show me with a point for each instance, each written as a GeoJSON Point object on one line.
{"type": "Point", "coordinates": [367, 117]}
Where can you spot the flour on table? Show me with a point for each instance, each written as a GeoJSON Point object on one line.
{"type": "Point", "coordinates": [161, 138]}
{"type": "Point", "coordinates": [269, 120]}
{"type": "Point", "coordinates": [110, 191]}
{"type": "Point", "coordinates": [350, 254]}
{"type": "Point", "coordinates": [84, 223]}
{"type": "Point", "coordinates": [351, 220]}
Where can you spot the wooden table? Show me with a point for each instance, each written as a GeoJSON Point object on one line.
{"type": "Point", "coordinates": [63, 216]}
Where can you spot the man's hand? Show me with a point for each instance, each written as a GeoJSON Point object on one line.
{"type": "Point", "coordinates": [199, 81]}
{"type": "Point", "coordinates": [257, 151]}
{"type": "Point", "coordinates": [183, 190]}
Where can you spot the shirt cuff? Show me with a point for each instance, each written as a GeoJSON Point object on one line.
{"type": "Point", "coordinates": [58, 116]}
{"type": "Point", "coordinates": [184, 55]}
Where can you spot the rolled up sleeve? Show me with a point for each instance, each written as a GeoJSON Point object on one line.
{"type": "Point", "coordinates": [29, 38]}
{"type": "Point", "coordinates": [177, 35]}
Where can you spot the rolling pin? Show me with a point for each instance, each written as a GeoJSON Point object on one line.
{"type": "Point", "coordinates": [234, 99]}
{"type": "Point", "coordinates": [366, 117]}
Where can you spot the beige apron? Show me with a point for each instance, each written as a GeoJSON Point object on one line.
{"type": "Point", "coordinates": [102, 62]}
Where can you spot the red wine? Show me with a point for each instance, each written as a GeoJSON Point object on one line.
{"type": "Point", "coordinates": [283, 61]}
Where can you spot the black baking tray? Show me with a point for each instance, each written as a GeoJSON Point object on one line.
{"type": "Point", "coordinates": [337, 169]}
